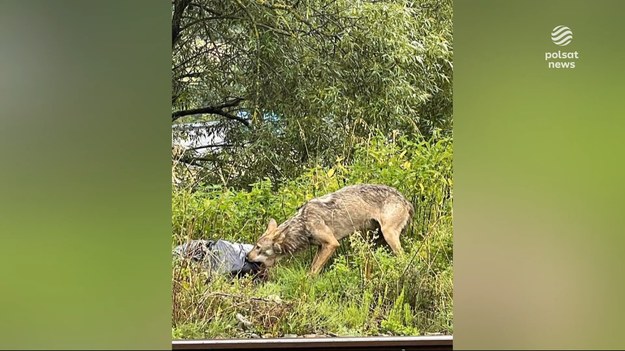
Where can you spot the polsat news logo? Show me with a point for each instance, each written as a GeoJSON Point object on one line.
{"type": "Point", "coordinates": [561, 35]}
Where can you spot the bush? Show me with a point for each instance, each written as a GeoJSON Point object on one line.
{"type": "Point", "coordinates": [364, 289]}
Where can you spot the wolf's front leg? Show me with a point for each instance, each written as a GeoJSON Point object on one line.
{"type": "Point", "coordinates": [322, 257]}
{"type": "Point", "coordinates": [328, 243]}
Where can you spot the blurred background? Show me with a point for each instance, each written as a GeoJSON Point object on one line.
{"type": "Point", "coordinates": [538, 235]}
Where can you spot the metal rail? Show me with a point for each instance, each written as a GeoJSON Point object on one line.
{"type": "Point", "coordinates": [344, 344]}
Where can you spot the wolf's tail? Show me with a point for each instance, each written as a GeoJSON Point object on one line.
{"type": "Point", "coordinates": [411, 212]}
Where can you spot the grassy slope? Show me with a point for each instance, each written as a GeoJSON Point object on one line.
{"type": "Point", "coordinates": [364, 290]}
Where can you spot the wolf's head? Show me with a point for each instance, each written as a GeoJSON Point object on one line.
{"type": "Point", "coordinates": [268, 249]}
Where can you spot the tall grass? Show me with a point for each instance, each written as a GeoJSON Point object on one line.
{"type": "Point", "coordinates": [364, 289]}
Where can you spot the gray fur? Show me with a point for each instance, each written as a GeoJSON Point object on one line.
{"type": "Point", "coordinates": [327, 219]}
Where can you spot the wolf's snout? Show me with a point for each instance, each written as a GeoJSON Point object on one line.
{"type": "Point", "coordinates": [251, 256]}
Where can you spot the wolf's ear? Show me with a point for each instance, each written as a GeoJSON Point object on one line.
{"type": "Point", "coordinates": [277, 248]}
{"type": "Point", "coordinates": [272, 225]}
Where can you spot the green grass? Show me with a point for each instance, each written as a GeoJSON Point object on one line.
{"type": "Point", "coordinates": [364, 290]}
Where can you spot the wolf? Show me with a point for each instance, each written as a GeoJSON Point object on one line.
{"type": "Point", "coordinates": [325, 220]}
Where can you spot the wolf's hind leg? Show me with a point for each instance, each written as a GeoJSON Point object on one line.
{"type": "Point", "coordinates": [391, 235]}
{"type": "Point", "coordinates": [392, 226]}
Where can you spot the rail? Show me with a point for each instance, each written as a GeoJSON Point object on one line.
{"type": "Point", "coordinates": [338, 343]}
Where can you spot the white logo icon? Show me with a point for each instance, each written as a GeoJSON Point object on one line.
{"type": "Point", "coordinates": [561, 35]}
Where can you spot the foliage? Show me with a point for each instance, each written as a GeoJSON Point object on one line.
{"type": "Point", "coordinates": [364, 290]}
{"type": "Point", "coordinates": [285, 85]}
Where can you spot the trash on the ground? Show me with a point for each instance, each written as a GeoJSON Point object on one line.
{"type": "Point", "coordinates": [219, 256]}
{"type": "Point", "coordinates": [275, 298]}
{"type": "Point", "coordinates": [244, 321]}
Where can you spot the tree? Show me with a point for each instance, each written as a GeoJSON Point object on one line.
{"type": "Point", "coordinates": [282, 84]}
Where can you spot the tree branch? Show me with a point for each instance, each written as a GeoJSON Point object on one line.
{"type": "Point", "coordinates": [210, 146]}
{"type": "Point", "coordinates": [195, 161]}
{"type": "Point", "coordinates": [189, 162]}
{"type": "Point", "coordinates": [266, 26]}
{"type": "Point", "coordinates": [215, 110]}
{"type": "Point", "coordinates": [179, 7]}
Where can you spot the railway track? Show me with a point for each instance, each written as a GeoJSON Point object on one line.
{"type": "Point", "coordinates": [344, 344]}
